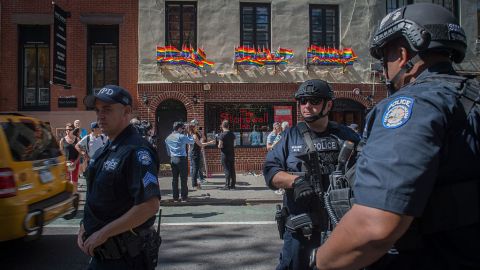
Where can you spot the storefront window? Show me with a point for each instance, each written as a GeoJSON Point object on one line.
{"type": "Point", "coordinates": [250, 122]}
{"type": "Point", "coordinates": [35, 68]}
{"type": "Point", "coordinates": [103, 56]}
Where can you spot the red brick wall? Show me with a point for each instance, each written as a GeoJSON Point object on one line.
{"type": "Point", "coordinates": [246, 159]}
{"type": "Point", "coordinates": [76, 47]}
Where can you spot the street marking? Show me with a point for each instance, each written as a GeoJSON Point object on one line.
{"type": "Point", "coordinates": [183, 224]}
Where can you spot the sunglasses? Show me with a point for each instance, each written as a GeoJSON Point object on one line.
{"type": "Point", "coordinates": [304, 101]}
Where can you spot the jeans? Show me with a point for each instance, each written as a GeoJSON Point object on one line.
{"type": "Point", "coordinates": [179, 167]}
{"type": "Point", "coordinates": [228, 163]}
{"type": "Point", "coordinates": [126, 263]}
{"type": "Point", "coordinates": [201, 170]}
{"type": "Point", "coordinates": [195, 172]}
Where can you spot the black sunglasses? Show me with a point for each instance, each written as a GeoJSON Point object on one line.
{"type": "Point", "coordinates": [313, 101]}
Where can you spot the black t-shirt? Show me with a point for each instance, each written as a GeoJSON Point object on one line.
{"type": "Point", "coordinates": [228, 139]}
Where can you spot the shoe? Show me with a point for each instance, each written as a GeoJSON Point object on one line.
{"type": "Point", "coordinates": [176, 200]}
{"type": "Point", "coordinates": [232, 188]}
{"type": "Point", "coordinates": [184, 200]}
{"type": "Point", "coordinates": [194, 188]}
{"type": "Point", "coordinates": [225, 188]}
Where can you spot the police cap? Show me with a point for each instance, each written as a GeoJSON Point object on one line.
{"type": "Point", "coordinates": [424, 26]}
{"type": "Point", "coordinates": [315, 89]}
{"type": "Point", "coordinates": [109, 94]}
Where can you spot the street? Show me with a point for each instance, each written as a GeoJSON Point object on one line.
{"type": "Point", "coordinates": [194, 237]}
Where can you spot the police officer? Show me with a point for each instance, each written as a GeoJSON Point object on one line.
{"type": "Point", "coordinates": [123, 193]}
{"type": "Point", "coordinates": [315, 98]}
{"type": "Point", "coordinates": [417, 177]}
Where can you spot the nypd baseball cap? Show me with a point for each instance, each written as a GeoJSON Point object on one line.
{"type": "Point", "coordinates": [109, 94]}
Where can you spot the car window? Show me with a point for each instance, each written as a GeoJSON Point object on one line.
{"type": "Point", "coordinates": [30, 141]}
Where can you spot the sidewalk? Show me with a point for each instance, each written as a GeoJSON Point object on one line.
{"type": "Point", "coordinates": [250, 189]}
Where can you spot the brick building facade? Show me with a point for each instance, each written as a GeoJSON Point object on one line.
{"type": "Point", "coordinates": [27, 35]}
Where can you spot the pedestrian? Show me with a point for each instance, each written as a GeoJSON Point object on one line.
{"type": "Point", "coordinates": [272, 137]}
{"type": "Point", "coordinates": [176, 145]}
{"type": "Point", "coordinates": [285, 126]}
{"type": "Point", "coordinates": [284, 169]}
{"type": "Point", "coordinates": [196, 154]}
{"type": "Point", "coordinates": [417, 180]}
{"type": "Point", "coordinates": [123, 194]}
{"type": "Point", "coordinates": [226, 143]}
{"type": "Point", "coordinates": [72, 156]}
{"type": "Point", "coordinates": [91, 143]}
{"type": "Point", "coordinates": [255, 137]}
{"type": "Point", "coordinates": [83, 132]}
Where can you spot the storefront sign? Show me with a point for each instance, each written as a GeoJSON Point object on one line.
{"type": "Point", "coordinates": [245, 119]}
{"type": "Point", "coordinates": [67, 102]}
{"type": "Point", "coordinates": [60, 46]}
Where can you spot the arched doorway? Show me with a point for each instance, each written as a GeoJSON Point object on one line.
{"type": "Point", "coordinates": [168, 112]}
{"type": "Point", "coordinates": [347, 111]}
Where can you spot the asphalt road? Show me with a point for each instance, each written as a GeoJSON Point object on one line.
{"type": "Point", "coordinates": [194, 237]}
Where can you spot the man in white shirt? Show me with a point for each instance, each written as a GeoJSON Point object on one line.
{"type": "Point", "coordinates": [88, 145]}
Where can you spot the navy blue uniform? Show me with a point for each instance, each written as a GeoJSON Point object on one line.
{"type": "Point", "coordinates": [121, 175]}
{"type": "Point", "coordinates": [415, 144]}
{"type": "Point", "coordinates": [283, 157]}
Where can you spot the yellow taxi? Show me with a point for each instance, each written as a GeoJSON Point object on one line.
{"type": "Point", "coordinates": [34, 184]}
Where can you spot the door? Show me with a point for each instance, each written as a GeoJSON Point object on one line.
{"type": "Point", "coordinates": [168, 112]}
{"type": "Point", "coordinates": [347, 111]}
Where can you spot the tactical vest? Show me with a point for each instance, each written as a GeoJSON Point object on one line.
{"type": "Point", "coordinates": [450, 206]}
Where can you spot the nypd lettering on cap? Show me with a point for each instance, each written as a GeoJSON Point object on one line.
{"type": "Point", "coordinates": [106, 91]}
{"type": "Point", "coordinates": [144, 157]}
{"type": "Point", "coordinates": [398, 112]}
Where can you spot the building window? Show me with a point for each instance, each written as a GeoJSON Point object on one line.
{"type": "Point", "coordinates": [451, 5]}
{"type": "Point", "coordinates": [250, 122]}
{"type": "Point", "coordinates": [395, 4]}
{"type": "Point", "coordinates": [34, 64]}
{"type": "Point", "coordinates": [181, 24]}
{"type": "Point", "coordinates": [324, 29]}
{"type": "Point", "coordinates": [255, 25]}
{"type": "Point", "coordinates": [102, 56]}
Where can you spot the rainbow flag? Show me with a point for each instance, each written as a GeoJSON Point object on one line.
{"type": "Point", "coordinates": [188, 56]}
{"type": "Point", "coordinates": [330, 56]}
{"type": "Point", "coordinates": [245, 55]}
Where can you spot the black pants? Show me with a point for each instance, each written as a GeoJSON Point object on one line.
{"type": "Point", "coordinates": [228, 163]}
{"type": "Point", "coordinates": [179, 167]}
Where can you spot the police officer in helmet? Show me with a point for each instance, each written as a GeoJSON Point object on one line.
{"type": "Point", "coordinates": [284, 169]}
{"type": "Point", "coordinates": [123, 194]}
{"type": "Point", "coordinates": [417, 178]}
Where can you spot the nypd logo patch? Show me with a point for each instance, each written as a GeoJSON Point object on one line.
{"type": "Point", "coordinates": [398, 112]}
{"type": "Point", "coordinates": [144, 157]}
{"type": "Point", "coordinates": [149, 178]}
{"type": "Point", "coordinates": [111, 164]}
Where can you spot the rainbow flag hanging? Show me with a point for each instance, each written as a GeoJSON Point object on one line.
{"type": "Point", "coordinates": [187, 56]}
{"type": "Point", "coordinates": [330, 56]}
{"type": "Point", "coordinates": [245, 55]}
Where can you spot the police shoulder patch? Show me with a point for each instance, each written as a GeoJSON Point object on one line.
{"type": "Point", "coordinates": [143, 156]}
{"type": "Point", "coordinates": [398, 112]}
{"type": "Point", "coordinates": [149, 178]}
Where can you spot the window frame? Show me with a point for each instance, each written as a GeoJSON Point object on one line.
{"type": "Point", "coordinates": [254, 38]}
{"type": "Point", "coordinates": [409, 2]}
{"type": "Point", "coordinates": [112, 40]}
{"type": "Point", "coordinates": [181, 3]}
{"type": "Point", "coordinates": [455, 7]}
{"type": "Point", "coordinates": [36, 36]}
{"type": "Point", "coordinates": [324, 24]}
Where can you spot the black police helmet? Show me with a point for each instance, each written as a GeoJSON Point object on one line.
{"type": "Point", "coordinates": [314, 89]}
{"type": "Point", "coordinates": [424, 26]}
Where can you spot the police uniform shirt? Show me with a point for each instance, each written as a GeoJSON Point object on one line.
{"type": "Point", "coordinates": [121, 176]}
{"type": "Point", "coordinates": [414, 143]}
{"type": "Point", "coordinates": [283, 156]}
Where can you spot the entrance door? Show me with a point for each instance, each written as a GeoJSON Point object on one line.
{"type": "Point", "coordinates": [168, 112]}
{"type": "Point", "coordinates": [347, 111]}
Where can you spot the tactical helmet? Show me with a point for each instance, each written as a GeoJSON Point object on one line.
{"type": "Point", "coordinates": [424, 26]}
{"type": "Point", "coordinates": [315, 89]}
